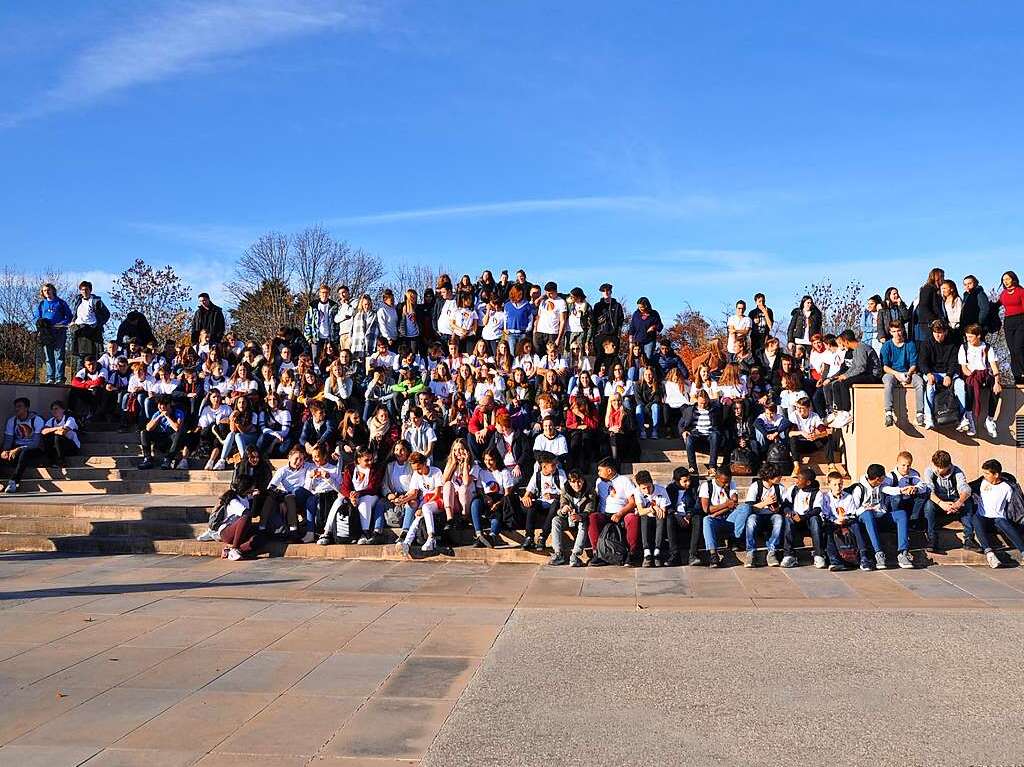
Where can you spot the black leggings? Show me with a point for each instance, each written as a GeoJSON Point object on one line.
{"type": "Point", "coordinates": [1013, 328]}
{"type": "Point", "coordinates": [58, 447]}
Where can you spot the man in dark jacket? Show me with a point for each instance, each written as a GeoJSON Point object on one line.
{"type": "Point", "coordinates": [976, 305]}
{"type": "Point", "coordinates": [608, 317]}
{"type": "Point", "coordinates": [702, 427]}
{"type": "Point", "coordinates": [208, 317]}
{"type": "Point", "coordinates": [90, 315]}
{"type": "Point", "coordinates": [937, 362]}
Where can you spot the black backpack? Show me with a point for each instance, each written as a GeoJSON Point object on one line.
{"type": "Point", "coordinates": [778, 456]}
{"type": "Point", "coordinates": [947, 408]}
{"type": "Point", "coordinates": [611, 545]}
{"type": "Point", "coordinates": [1015, 507]}
{"type": "Point", "coordinates": [874, 363]}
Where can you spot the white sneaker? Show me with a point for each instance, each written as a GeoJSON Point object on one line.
{"type": "Point", "coordinates": [841, 419]}
{"type": "Point", "coordinates": [880, 561]}
{"type": "Point", "coordinates": [323, 540]}
{"type": "Point", "coordinates": [970, 425]}
{"type": "Point", "coordinates": [220, 466]}
{"type": "Point", "coordinates": [991, 428]}
{"type": "Point", "coordinates": [993, 560]}
{"type": "Point", "coordinates": [362, 541]}
{"type": "Point", "coordinates": [309, 537]}
{"type": "Point", "coordinates": [207, 535]}
{"type": "Point", "coordinates": [12, 487]}
{"type": "Point", "coordinates": [819, 562]}
{"type": "Point", "coordinates": [234, 555]}
{"type": "Point", "coordinates": [964, 425]}
{"type": "Point", "coordinates": [405, 547]}
{"type": "Point", "coordinates": [772, 558]}
{"type": "Point", "coordinates": [431, 544]}
{"type": "Point", "coordinates": [789, 561]}
{"type": "Point", "coordinates": [183, 464]}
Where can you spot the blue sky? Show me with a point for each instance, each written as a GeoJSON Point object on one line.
{"type": "Point", "coordinates": [692, 152]}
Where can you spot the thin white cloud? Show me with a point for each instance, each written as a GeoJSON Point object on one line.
{"type": "Point", "coordinates": [183, 37]}
{"type": "Point", "coordinates": [686, 206]}
{"type": "Point", "coordinates": [217, 238]}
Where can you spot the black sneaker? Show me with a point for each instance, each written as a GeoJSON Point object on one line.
{"type": "Point", "coordinates": [713, 559]}
{"type": "Point", "coordinates": [971, 543]}
{"type": "Point", "coordinates": [693, 562]}
{"type": "Point", "coordinates": [528, 544]}
{"type": "Point", "coordinates": [648, 561]}
{"type": "Point", "coordinates": [486, 540]}
{"type": "Point", "coordinates": [655, 562]}
{"type": "Point", "coordinates": [479, 542]}
{"type": "Point", "coordinates": [145, 464]}
{"type": "Point", "coordinates": [557, 560]}
{"type": "Point", "coordinates": [596, 562]}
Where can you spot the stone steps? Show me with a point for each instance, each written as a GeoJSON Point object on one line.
{"type": "Point", "coordinates": [122, 487]}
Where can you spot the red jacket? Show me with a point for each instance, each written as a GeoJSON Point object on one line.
{"type": "Point", "coordinates": [481, 421]}
{"type": "Point", "coordinates": [572, 421]}
{"type": "Point", "coordinates": [372, 488]}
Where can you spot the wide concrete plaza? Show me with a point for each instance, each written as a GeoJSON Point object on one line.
{"type": "Point", "coordinates": [165, 661]}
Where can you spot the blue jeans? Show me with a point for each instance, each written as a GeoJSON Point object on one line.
{"type": "Point", "coordinates": [932, 513]}
{"type": "Point", "coordinates": [959, 389]}
{"type": "Point", "coordinates": [983, 525]}
{"type": "Point", "coordinates": [812, 522]}
{"type": "Point", "coordinates": [654, 409]}
{"type": "Point", "coordinates": [912, 507]}
{"type": "Point", "coordinates": [734, 523]}
{"type": "Point", "coordinates": [476, 512]}
{"type": "Point", "coordinates": [54, 354]}
{"type": "Point", "coordinates": [898, 518]}
{"type": "Point", "coordinates": [648, 349]}
{"type": "Point", "coordinates": [238, 441]}
{"type": "Point", "coordinates": [760, 521]}
{"type": "Point", "coordinates": [692, 441]}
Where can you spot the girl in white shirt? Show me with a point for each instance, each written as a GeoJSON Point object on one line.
{"type": "Point", "coordinates": [60, 435]}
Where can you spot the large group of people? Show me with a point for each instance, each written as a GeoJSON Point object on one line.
{"type": "Point", "coordinates": [491, 404]}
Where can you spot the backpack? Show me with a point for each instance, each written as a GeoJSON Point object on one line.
{"type": "Point", "coordinates": [1015, 507]}
{"type": "Point", "coordinates": [992, 322]}
{"type": "Point", "coordinates": [778, 456]}
{"type": "Point", "coordinates": [846, 545]}
{"type": "Point", "coordinates": [611, 545]}
{"type": "Point", "coordinates": [946, 411]}
{"type": "Point", "coordinates": [742, 462]}
{"type": "Point", "coordinates": [874, 363]}
{"type": "Point", "coordinates": [220, 511]}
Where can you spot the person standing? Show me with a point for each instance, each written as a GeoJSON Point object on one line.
{"type": "Point", "coordinates": [762, 321]}
{"type": "Point", "coordinates": [644, 326]}
{"type": "Point", "coordinates": [1012, 300]}
{"type": "Point", "coordinates": [929, 304]}
{"type": "Point", "coordinates": [739, 326]}
{"type": "Point", "coordinates": [90, 315]}
{"type": "Point", "coordinates": [53, 315]}
{"type": "Point", "coordinates": [319, 326]}
{"type": "Point", "coordinates": [551, 317]}
{"type": "Point", "coordinates": [608, 317]}
{"type": "Point", "coordinates": [209, 317]}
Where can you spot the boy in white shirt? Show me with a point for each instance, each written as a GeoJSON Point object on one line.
{"type": "Point", "coordinates": [540, 498]}
{"type": "Point", "coordinates": [765, 506]}
{"type": "Point", "coordinates": [723, 513]}
{"type": "Point", "coordinates": [867, 503]}
{"type": "Point", "coordinates": [738, 326]}
{"type": "Point", "coordinates": [652, 504]}
{"type": "Point", "coordinates": [616, 503]}
{"type": "Point", "coordinates": [839, 513]}
{"type": "Point", "coordinates": [904, 496]}
{"type": "Point", "coordinates": [551, 316]}
{"type": "Point", "coordinates": [996, 500]}
{"type": "Point", "coordinates": [980, 367]}
{"type": "Point", "coordinates": [803, 513]}
{"type": "Point", "coordinates": [320, 490]}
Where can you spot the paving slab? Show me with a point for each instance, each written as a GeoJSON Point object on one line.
{"type": "Point", "coordinates": [294, 724]}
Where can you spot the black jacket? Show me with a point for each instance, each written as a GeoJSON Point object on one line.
{"type": "Point", "coordinates": [797, 322]}
{"type": "Point", "coordinates": [976, 308]}
{"type": "Point", "coordinates": [688, 419]}
{"type": "Point", "coordinates": [135, 325]}
{"type": "Point", "coordinates": [211, 320]}
{"type": "Point", "coordinates": [886, 314]}
{"type": "Point", "coordinates": [939, 358]}
{"type": "Point", "coordinates": [929, 305]}
{"type": "Point", "coordinates": [608, 318]}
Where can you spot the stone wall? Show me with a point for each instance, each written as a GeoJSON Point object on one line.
{"type": "Point", "coordinates": [870, 441]}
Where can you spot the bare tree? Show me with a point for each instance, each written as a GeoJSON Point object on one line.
{"type": "Point", "coordinates": [159, 294]}
{"type": "Point", "coordinates": [840, 307]}
{"type": "Point", "coordinates": [361, 271]}
{"type": "Point", "coordinates": [405, 275]}
{"type": "Point", "coordinates": [266, 269]}
{"type": "Point", "coordinates": [317, 258]}
{"type": "Point", "coordinates": [19, 297]}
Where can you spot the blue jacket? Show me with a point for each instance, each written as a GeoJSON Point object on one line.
{"type": "Point", "coordinates": [519, 319]}
{"type": "Point", "coordinates": [638, 327]}
{"type": "Point", "coordinates": [56, 311]}
{"type": "Point", "coordinates": [899, 358]}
